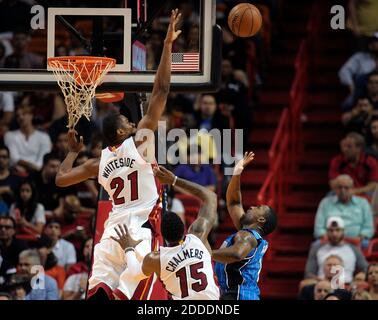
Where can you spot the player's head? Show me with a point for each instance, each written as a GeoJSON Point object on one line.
{"type": "Point", "coordinates": [116, 128]}
{"type": "Point", "coordinates": [172, 228]}
{"type": "Point", "coordinates": [262, 217]}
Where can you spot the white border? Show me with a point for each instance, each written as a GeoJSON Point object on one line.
{"type": "Point", "coordinates": [125, 13]}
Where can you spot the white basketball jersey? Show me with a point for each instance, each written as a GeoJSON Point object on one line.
{"type": "Point", "coordinates": [187, 272]}
{"type": "Point", "coordinates": [127, 178]}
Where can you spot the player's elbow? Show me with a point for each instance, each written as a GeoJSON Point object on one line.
{"type": "Point", "coordinates": [60, 181]}
{"type": "Point", "coordinates": [211, 198]}
{"type": "Point", "coordinates": [238, 255]}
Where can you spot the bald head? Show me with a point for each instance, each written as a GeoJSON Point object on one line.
{"type": "Point", "coordinates": [322, 288]}
{"type": "Point", "coordinates": [343, 187]}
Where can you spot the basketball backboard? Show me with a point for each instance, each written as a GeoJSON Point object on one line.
{"type": "Point", "coordinates": [130, 31]}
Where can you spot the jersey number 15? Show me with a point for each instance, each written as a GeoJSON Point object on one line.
{"type": "Point", "coordinates": [195, 275]}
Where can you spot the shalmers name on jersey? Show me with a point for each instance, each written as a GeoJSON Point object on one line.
{"type": "Point", "coordinates": [164, 311]}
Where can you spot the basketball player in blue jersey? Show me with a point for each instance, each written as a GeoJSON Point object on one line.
{"type": "Point", "coordinates": [239, 259]}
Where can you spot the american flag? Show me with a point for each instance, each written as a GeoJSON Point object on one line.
{"type": "Point", "coordinates": [185, 61]}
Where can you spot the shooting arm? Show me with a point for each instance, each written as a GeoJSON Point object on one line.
{"type": "Point", "coordinates": [244, 242]}
{"type": "Point", "coordinates": [67, 175]}
{"type": "Point", "coordinates": [162, 78]}
{"type": "Point", "coordinates": [234, 201]}
{"type": "Point", "coordinates": [208, 212]}
{"type": "Point", "coordinates": [160, 91]}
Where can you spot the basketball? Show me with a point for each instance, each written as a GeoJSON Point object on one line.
{"type": "Point", "coordinates": [244, 20]}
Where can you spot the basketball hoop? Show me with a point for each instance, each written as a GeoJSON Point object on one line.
{"type": "Point", "coordinates": [78, 78]}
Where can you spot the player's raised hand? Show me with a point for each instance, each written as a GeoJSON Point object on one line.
{"type": "Point", "coordinates": [172, 33]}
{"type": "Point", "coordinates": [73, 144]}
{"type": "Point", "coordinates": [248, 157]}
{"type": "Point", "coordinates": [124, 239]}
{"type": "Point", "coordinates": [164, 175]}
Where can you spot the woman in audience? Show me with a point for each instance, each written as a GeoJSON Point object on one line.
{"type": "Point", "coordinates": [372, 278]}
{"type": "Point", "coordinates": [27, 211]}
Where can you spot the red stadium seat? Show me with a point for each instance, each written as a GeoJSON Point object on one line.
{"type": "Point", "coordinates": [188, 200]}
{"type": "Point", "coordinates": [372, 250]}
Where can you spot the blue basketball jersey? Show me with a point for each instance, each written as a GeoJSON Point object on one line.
{"type": "Point", "coordinates": [240, 278]}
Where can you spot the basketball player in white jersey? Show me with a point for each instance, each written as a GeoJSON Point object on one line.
{"type": "Point", "coordinates": [127, 176]}
{"type": "Point", "coordinates": [184, 264]}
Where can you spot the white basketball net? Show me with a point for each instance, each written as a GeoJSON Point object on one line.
{"type": "Point", "coordinates": [78, 78]}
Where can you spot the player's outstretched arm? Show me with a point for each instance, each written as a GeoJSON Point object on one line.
{"type": "Point", "coordinates": [162, 82]}
{"type": "Point", "coordinates": [233, 195]}
{"type": "Point", "coordinates": [244, 242]}
{"type": "Point", "coordinates": [67, 175]}
{"type": "Point", "coordinates": [137, 270]}
{"type": "Point", "coordinates": [208, 212]}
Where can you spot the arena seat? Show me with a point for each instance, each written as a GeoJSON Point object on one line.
{"type": "Point", "coordinates": [372, 250]}
{"type": "Point", "coordinates": [188, 200]}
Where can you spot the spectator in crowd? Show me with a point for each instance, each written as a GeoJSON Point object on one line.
{"type": "Point", "coordinates": [28, 213]}
{"type": "Point", "coordinates": [372, 88]}
{"type": "Point", "coordinates": [75, 222]}
{"type": "Point", "coordinates": [355, 212]}
{"type": "Point", "coordinates": [27, 145]}
{"type": "Point", "coordinates": [8, 181]}
{"type": "Point", "coordinates": [372, 278]}
{"type": "Point", "coordinates": [351, 255]}
{"type": "Point", "coordinates": [50, 262]}
{"type": "Point", "coordinates": [353, 161]}
{"type": "Point", "coordinates": [234, 49]}
{"type": "Point", "coordinates": [76, 283]}
{"type": "Point", "coordinates": [85, 262]}
{"type": "Point", "coordinates": [321, 289]}
{"type": "Point", "coordinates": [192, 43]}
{"type": "Point", "coordinates": [195, 171]}
{"type": "Point", "coordinates": [232, 97]}
{"type": "Point", "coordinates": [359, 118]}
{"type": "Point", "coordinates": [361, 295]}
{"type": "Point", "coordinates": [50, 195]}
{"type": "Point", "coordinates": [21, 58]}
{"type": "Point", "coordinates": [365, 86]}
{"type": "Point", "coordinates": [63, 250]}
{"type": "Point", "coordinates": [363, 17]}
{"type": "Point", "coordinates": [84, 128]}
{"type": "Point", "coordinates": [60, 147]}
{"type": "Point", "coordinates": [10, 247]}
{"type": "Point", "coordinates": [307, 286]}
{"type": "Point", "coordinates": [7, 110]}
{"type": "Point", "coordinates": [18, 285]}
{"type": "Point", "coordinates": [372, 138]}
{"type": "Point", "coordinates": [47, 107]}
{"type": "Point", "coordinates": [209, 115]}
{"type": "Point", "coordinates": [360, 63]}
{"type": "Point", "coordinates": [359, 282]}
{"type": "Point", "coordinates": [29, 264]}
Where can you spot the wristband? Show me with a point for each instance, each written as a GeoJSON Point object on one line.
{"type": "Point", "coordinates": [129, 249]}
{"type": "Point", "coordinates": [174, 181]}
